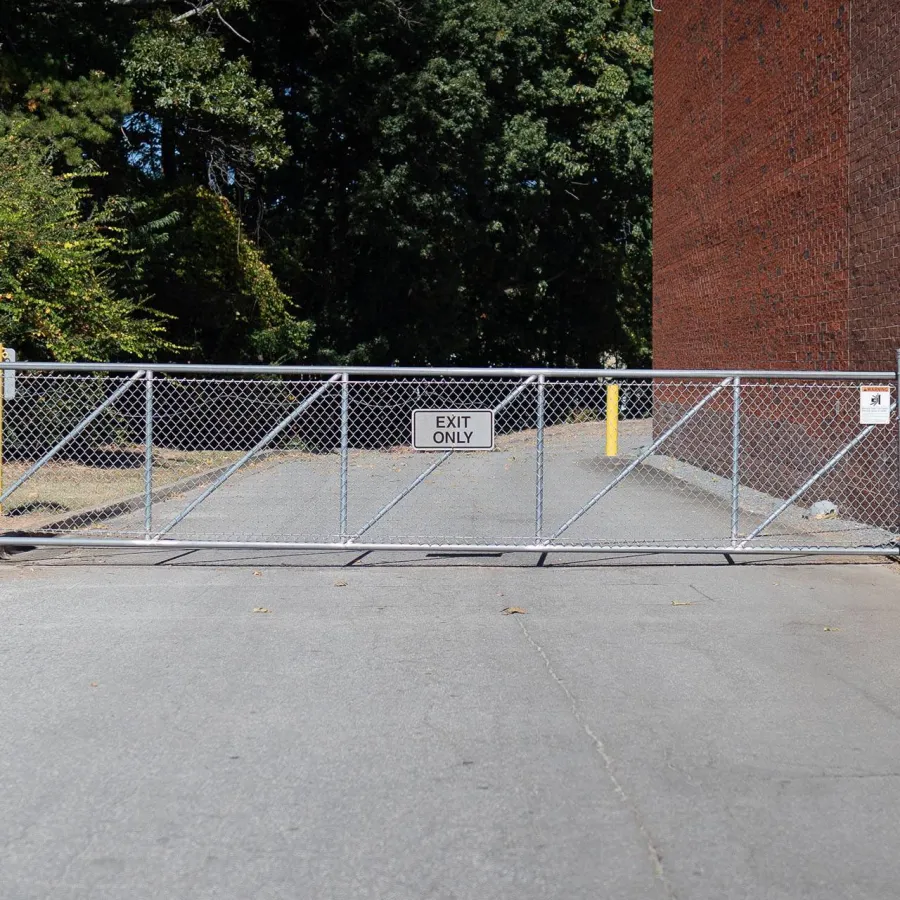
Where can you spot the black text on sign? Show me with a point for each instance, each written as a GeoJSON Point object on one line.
{"type": "Point", "coordinates": [453, 429]}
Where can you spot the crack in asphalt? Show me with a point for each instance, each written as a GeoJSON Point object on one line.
{"type": "Point", "coordinates": [653, 851]}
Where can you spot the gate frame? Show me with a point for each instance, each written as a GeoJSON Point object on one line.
{"type": "Point", "coordinates": [531, 376]}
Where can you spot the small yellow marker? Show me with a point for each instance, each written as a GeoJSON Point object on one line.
{"type": "Point", "coordinates": [612, 420]}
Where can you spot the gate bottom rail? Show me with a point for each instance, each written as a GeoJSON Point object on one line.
{"type": "Point", "coordinates": [725, 549]}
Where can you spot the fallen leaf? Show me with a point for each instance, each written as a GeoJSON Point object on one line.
{"type": "Point", "coordinates": [340, 583]}
{"type": "Point", "coordinates": [262, 609]}
{"type": "Point", "coordinates": [682, 603]}
{"type": "Point", "coordinates": [512, 610]}
{"type": "Point", "coordinates": [831, 628]}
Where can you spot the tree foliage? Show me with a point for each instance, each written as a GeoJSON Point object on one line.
{"type": "Point", "coordinates": [202, 112]}
{"type": "Point", "coordinates": [57, 297]}
{"type": "Point", "coordinates": [452, 181]}
{"type": "Point", "coordinates": [212, 278]}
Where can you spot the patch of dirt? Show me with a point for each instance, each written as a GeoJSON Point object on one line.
{"type": "Point", "coordinates": [60, 487]}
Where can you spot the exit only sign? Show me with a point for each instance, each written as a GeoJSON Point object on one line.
{"type": "Point", "coordinates": [453, 429]}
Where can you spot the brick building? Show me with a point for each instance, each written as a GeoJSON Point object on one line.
{"type": "Point", "coordinates": [777, 184]}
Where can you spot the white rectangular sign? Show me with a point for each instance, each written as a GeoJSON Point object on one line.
{"type": "Point", "coordinates": [453, 429]}
{"type": "Point", "coordinates": [874, 405]}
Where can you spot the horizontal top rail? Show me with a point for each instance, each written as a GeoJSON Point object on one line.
{"type": "Point", "coordinates": [431, 372]}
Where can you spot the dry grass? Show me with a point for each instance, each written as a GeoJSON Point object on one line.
{"type": "Point", "coordinates": [59, 489]}
{"type": "Point", "coordinates": [631, 432]}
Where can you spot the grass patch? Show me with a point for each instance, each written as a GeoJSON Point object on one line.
{"type": "Point", "coordinates": [66, 487]}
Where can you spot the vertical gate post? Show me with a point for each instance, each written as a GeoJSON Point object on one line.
{"type": "Point", "coordinates": [2, 398]}
{"type": "Point", "coordinates": [539, 462]}
{"type": "Point", "coordinates": [345, 431]}
{"type": "Point", "coordinates": [735, 457]}
{"type": "Point", "coordinates": [148, 453]}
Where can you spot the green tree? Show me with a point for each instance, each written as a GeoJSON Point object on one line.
{"type": "Point", "coordinates": [457, 181]}
{"type": "Point", "coordinates": [225, 302]}
{"type": "Point", "coordinates": [470, 179]}
{"type": "Point", "coordinates": [201, 112]}
{"type": "Point", "coordinates": [57, 268]}
{"type": "Point", "coordinates": [172, 116]}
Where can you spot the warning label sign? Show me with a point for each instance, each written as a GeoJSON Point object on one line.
{"type": "Point", "coordinates": [874, 405]}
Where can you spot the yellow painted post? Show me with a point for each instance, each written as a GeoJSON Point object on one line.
{"type": "Point", "coordinates": [612, 420]}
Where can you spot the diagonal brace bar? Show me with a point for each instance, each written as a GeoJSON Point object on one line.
{"type": "Point", "coordinates": [407, 490]}
{"type": "Point", "coordinates": [72, 434]}
{"type": "Point", "coordinates": [440, 461]}
{"type": "Point", "coordinates": [808, 484]}
{"type": "Point", "coordinates": [248, 455]}
{"type": "Point", "coordinates": [639, 459]}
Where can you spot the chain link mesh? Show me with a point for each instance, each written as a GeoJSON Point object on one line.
{"type": "Point", "coordinates": [267, 459]}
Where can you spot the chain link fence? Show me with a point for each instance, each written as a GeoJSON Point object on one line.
{"type": "Point", "coordinates": [322, 458]}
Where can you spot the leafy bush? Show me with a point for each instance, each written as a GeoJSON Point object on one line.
{"type": "Point", "coordinates": [57, 265]}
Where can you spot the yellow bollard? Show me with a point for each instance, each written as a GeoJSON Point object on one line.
{"type": "Point", "coordinates": [612, 420]}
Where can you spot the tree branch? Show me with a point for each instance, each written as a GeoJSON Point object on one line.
{"type": "Point", "coordinates": [196, 11]}
{"type": "Point", "coordinates": [139, 2]}
{"type": "Point", "coordinates": [230, 27]}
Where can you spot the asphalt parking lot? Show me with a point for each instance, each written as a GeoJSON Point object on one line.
{"type": "Point", "coordinates": [384, 731]}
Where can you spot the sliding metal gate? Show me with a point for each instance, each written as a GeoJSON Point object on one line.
{"type": "Point", "coordinates": [322, 458]}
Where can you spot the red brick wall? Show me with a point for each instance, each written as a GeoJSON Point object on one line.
{"type": "Point", "coordinates": [687, 180]}
{"type": "Point", "coordinates": [777, 226]}
{"type": "Point", "coordinates": [751, 181]}
{"type": "Point", "coordinates": [874, 310]}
